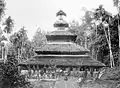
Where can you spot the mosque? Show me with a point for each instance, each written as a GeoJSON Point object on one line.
{"type": "Point", "coordinates": [61, 51]}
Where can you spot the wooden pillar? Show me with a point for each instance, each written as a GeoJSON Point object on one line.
{"type": "Point", "coordinates": [29, 71]}
{"type": "Point", "coordinates": [2, 52]}
{"type": "Point", "coordinates": [37, 70]}
{"type": "Point", "coordinates": [97, 74]}
{"type": "Point", "coordinates": [33, 70]}
{"type": "Point", "coordinates": [85, 73]}
{"type": "Point", "coordinates": [91, 72]}
{"type": "Point", "coordinates": [86, 42]}
{"type": "Point", "coordinates": [19, 69]}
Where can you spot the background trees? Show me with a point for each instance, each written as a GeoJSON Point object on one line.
{"type": "Point", "coordinates": [8, 25]}
{"type": "Point", "coordinates": [2, 9]}
{"type": "Point", "coordinates": [99, 31]}
{"type": "Point", "coordinates": [108, 40]}
{"type": "Point", "coordinates": [117, 4]}
{"type": "Point", "coordinates": [39, 38]}
{"type": "Point", "coordinates": [10, 75]}
{"type": "Point", "coordinates": [21, 44]}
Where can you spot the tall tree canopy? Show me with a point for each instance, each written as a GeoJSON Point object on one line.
{"type": "Point", "coordinates": [39, 38]}
{"type": "Point", "coordinates": [94, 27]}
{"type": "Point", "coordinates": [84, 29]}
{"type": "Point", "coordinates": [107, 39]}
{"type": "Point", "coordinates": [2, 9]}
{"type": "Point", "coordinates": [8, 25]}
{"type": "Point", "coordinates": [10, 76]}
{"type": "Point", "coordinates": [21, 44]}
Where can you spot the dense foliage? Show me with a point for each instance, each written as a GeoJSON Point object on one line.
{"type": "Point", "coordinates": [10, 75]}
{"type": "Point", "coordinates": [99, 31]}
{"type": "Point", "coordinates": [9, 24]}
{"type": "Point", "coordinates": [107, 37]}
{"type": "Point", "coordinates": [21, 44]}
{"type": "Point", "coordinates": [97, 34]}
{"type": "Point", "coordinates": [39, 39]}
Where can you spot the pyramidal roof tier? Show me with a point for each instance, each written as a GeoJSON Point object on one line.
{"type": "Point", "coordinates": [70, 47]}
{"type": "Point", "coordinates": [65, 61]}
{"type": "Point", "coordinates": [61, 32]}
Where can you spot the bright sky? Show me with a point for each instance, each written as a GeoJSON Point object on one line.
{"type": "Point", "coordinates": [42, 13]}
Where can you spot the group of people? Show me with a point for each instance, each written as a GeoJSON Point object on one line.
{"type": "Point", "coordinates": [52, 72]}
{"type": "Point", "coordinates": [47, 73]}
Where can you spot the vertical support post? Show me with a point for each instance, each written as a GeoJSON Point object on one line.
{"type": "Point", "coordinates": [18, 55]}
{"type": "Point", "coordinates": [2, 52]}
{"type": "Point", "coordinates": [37, 70]}
{"type": "Point", "coordinates": [91, 72]}
{"type": "Point", "coordinates": [33, 71]}
{"type": "Point", "coordinates": [85, 73]}
{"type": "Point", "coordinates": [19, 69]}
{"type": "Point", "coordinates": [86, 42]}
{"type": "Point", "coordinates": [6, 52]}
{"type": "Point", "coordinates": [29, 71]}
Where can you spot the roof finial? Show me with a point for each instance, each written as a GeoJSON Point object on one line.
{"type": "Point", "coordinates": [61, 23]}
{"type": "Point", "coordinates": [59, 13]}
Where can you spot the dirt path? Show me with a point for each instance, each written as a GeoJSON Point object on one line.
{"type": "Point", "coordinates": [71, 83]}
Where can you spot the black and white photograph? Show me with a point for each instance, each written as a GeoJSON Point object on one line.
{"type": "Point", "coordinates": [59, 43]}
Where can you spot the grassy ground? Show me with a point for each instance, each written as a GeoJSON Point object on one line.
{"type": "Point", "coordinates": [110, 79]}
{"type": "Point", "coordinates": [98, 84]}
{"type": "Point", "coordinates": [39, 84]}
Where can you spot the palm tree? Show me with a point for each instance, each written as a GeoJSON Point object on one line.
{"type": "Point", "coordinates": [109, 43]}
{"type": "Point", "coordinates": [99, 15]}
{"type": "Point", "coordinates": [2, 8]}
{"type": "Point", "coordinates": [8, 25]}
{"type": "Point", "coordinates": [2, 11]}
{"type": "Point", "coordinates": [7, 30]}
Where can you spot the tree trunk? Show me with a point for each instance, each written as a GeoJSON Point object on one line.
{"type": "Point", "coordinates": [109, 44]}
{"type": "Point", "coordinates": [96, 51]}
{"type": "Point", "coordinates": [111, 54]}
{"type": "Point", "coordinates": [119, 42]}
{"type": "Point", "coordinates": [118, 8]}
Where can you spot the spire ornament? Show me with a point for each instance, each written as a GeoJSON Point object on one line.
{"type": "Point", "coordinates": [61, 23]}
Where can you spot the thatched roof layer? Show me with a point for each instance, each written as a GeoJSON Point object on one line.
{"type": "Point", "coordinates": [60, 32]}
{"type": "Point", "coordinates": [62, 48]}
{"type": "Point", "coordinates": [58, 24]}
{"type": "Point", "coordinates": [87, 61]}
{"type": "Point", "coordinates": [61, 56]}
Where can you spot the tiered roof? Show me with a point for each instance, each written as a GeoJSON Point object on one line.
{"type": "Point", "coordinates": [62, 50]}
